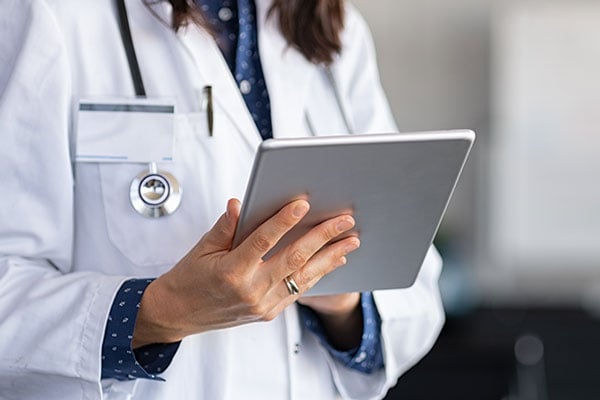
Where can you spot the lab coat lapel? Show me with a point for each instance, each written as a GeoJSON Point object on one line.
{"type": "Point", "coordinates": [287, 73]}
{"type": "Point", "coordinates": [208, 62]}
{"type": "Point", "coordinates": [213, 68]}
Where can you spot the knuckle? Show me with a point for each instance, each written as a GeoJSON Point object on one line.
{"type": "Point", "coordinates": [258, 310]}
{"type": "Point", "coordinates": [248, 297]}
{"type": "Point", "coordinates": [302, 278]}
{"type": "Point", "coordinates": [269, 316]}
{"type": "Point", "coordinates": [328, 232]}
{"type": "Point", "coordinates": [340, 251]}
{"type": "Point", "coordinates": [288, 216]}
{"type": "Point", "coordinates": [230, 280]}
{"type": "Point", "coordinates": [261, 242]}
{"type": "Point", "coordinates": [283, 223]}
{"type": "Point", "coordinates": [297, 259]}
{"type": "Point", "coordinates": [222, 230]}
{"type": "Point", "coordinates": [315, 277]}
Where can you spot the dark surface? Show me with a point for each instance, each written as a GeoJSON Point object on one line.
{"type": "Point", "coordinates": [474, 357]}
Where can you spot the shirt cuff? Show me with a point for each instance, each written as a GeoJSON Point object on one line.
{"type": "Point", "coordinates": [368, 356]}
{"type": "Point", "coordinates": [119, 360]}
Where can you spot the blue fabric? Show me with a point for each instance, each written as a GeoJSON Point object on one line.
{"type": "Point", "coordinates": [368, 356]}
{"type": "Point", "coordinates": [119, 360]}
{"type": "Point", "coordinates": [236, 34]}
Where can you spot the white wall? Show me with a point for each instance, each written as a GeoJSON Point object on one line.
{"type": "Point", "coordinates": [545, 175]}
{"type": "Point", "coordinates": [442, 68]}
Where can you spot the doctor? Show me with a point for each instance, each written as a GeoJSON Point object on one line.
{"type": "Point", "coordinates": [101, 298]}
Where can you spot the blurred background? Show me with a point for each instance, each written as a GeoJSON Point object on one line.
{"type": "Point", "coordinates": [521, 237]}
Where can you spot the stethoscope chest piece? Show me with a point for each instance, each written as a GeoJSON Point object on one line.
{"type": "Point", "coordinates": [154, 193]}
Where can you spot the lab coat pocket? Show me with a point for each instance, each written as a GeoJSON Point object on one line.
{"type": "Point", "coordinates": [195, 124]}
{"type": "Point", "coordinates": [144, 241]}
{"type": "Point", "coordinates": [210, 170]}
{"type": "Point", "coordinates": [154, 241]}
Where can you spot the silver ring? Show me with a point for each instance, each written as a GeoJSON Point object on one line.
{"type": "Point", "coordinates": [292, 286]}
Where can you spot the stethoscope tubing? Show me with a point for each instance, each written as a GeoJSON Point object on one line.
{"type": "Point", "coordinates": [134, 66]}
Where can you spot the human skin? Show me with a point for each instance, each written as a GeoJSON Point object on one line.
{"type": "Point", "coordinates": [215, 286]}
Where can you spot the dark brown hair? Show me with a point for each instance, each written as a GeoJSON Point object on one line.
{"type": "Point", "coordinates": [313, 27]}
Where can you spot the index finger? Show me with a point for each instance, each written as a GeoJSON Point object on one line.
{"type": "Point", "coordinates": [266, 236]}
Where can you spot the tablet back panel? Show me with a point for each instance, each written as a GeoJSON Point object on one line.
{"type": "Point", "coordinates": [397, 187]}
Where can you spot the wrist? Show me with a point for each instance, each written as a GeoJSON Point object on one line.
{"type": "Point", "coordinates": [340, 316]}
{"type": "Point", "coordinates": [347, 320]}
{"type": "Point", "coordinates": [156, 319]}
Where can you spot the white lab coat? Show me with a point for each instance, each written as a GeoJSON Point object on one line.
{"type": "Point", "coordinates": [69, 237]}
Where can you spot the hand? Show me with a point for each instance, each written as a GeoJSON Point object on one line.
{"type": "Point", "coordinates": [215, 286]}
{"type": "Point", "coordinates": [341, 316]}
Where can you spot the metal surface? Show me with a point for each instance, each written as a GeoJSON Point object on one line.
{"type": "Point", "coordinates": [292, 286]}
{"type": "Point", "coordinates": [155, 193]}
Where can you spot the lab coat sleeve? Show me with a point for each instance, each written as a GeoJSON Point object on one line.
{"type": "Point", "coordinates": [411, 318]}
{"type": "Point", "coordinates": [51, 319]}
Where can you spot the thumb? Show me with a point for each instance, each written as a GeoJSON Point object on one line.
{"type": "Point", "coordinates": [220, 236]}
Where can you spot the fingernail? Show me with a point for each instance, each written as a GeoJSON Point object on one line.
{"type": "Point", "coordinates": [352, 246]}
{"type": "Point", "coordinates": [300, 210]}
{"type": "Point", "coordinates": [345, 224]}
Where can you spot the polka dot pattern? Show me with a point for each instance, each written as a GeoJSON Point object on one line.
{"type": "Point", "coordinates": [236, 33]}
{"type": "Point", "coordinates": [119, 360]}
{"type": "Point", "coordinates": [368, 356]}
{"type": "Point", "coordinates": [222, 16]}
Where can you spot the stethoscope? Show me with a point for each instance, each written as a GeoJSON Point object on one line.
{"type": "Point", "coordinates": [153, 193]}
{"type": "Point", "coordinates": [156, 193]}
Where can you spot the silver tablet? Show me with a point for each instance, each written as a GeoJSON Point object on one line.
{"type": "Point", "coordinates": [397, 187]}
